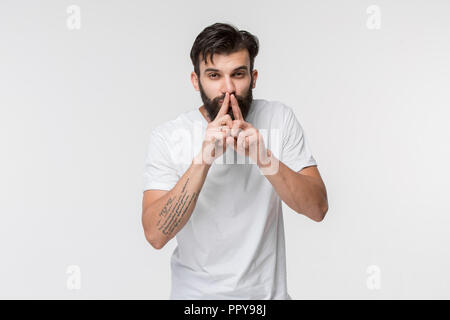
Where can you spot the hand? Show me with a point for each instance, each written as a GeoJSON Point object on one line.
{"type": "Point", "coordinates": [246, 139]}
{"type": "Point", "coordinates": [217, 132]}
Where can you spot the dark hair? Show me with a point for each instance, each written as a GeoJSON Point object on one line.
{"type": "Point", "coordinates": [222, 38]}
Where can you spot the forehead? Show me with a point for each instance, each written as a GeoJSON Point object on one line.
{"type": "Point", "coordinates": [226, 62]}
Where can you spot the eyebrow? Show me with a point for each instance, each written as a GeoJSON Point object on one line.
{"type": "Point", "coordinates": [217, 70]}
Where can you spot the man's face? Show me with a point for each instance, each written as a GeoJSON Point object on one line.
{"type": "Point", "coordinates": [229, 73]}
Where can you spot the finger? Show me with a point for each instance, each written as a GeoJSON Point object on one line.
{"type": "Point", "coordinates": [225, 130]}
{"type": "Point", "coordinates": [240, 141]}
{"type": "Point", "coordinates": [251, 144]}
{"type": "Point", "coordinates": [216, 141]}
{"type": "Point", "coordinates": [231, 141]}
{"type": "Point", "coordinates": [224, 108]}
{"type": "Point", "coordinates": [238, 126]}
{"type": "Point", "coordinates": [224, 120]}
{"type": "Point", "coordinates": [221, 142]}
{"type": "Point", "coordinates": [245, 137]}
{"type": "Point", "coordinates": [236, 110]}
{"type": "Point", "coordinates": [217, 135]}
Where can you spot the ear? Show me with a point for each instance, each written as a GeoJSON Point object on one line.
{"type": "Point", "coordinates": [194, 80]}
{"type": "Point", "coordinates": [255, 76]}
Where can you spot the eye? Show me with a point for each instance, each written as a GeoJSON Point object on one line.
{"type": "Point", "coordinates": [239, 74]}
{"type": "Point", "coordinates": [213, 75]}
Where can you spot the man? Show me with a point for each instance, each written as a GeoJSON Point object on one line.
{"type": "Point", "coordinates": [227, 217]}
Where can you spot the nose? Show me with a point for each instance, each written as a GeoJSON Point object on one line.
{"type": "Point", "coordinates": [228, 86]}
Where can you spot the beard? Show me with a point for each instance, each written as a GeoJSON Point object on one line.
{"type": "Point", "coordinates": [213, 106]}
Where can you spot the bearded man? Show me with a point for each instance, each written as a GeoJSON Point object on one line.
{"type": "Point", "coordinates": [227, 216]}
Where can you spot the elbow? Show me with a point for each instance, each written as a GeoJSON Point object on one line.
{"type": "Point", "coordinates": [152, 235]}
{"type": "Point", "coordinates": [156, 243]}
{"type": "Point", "coordinates": [320, 212]}
{"type": "Point", "coordinates": [318, 218]}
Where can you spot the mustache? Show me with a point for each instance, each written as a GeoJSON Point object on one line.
{"type": "Point", "coordinates": [213, 106]}
{"type": "Point", "coordinates": [219, 100]}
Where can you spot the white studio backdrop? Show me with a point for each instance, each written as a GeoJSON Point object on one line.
{"type": "Point", "coordinates": [84, 82]}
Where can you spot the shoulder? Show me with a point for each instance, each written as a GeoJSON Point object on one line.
{"type": "Point", "coordinates": [277, 112]}
{"type": "Point", "coordinates": [271, 106]}
{"type": "Point", "coordinates": [183, 123]}
{"type": "Point", "coordinates": [179, 135]}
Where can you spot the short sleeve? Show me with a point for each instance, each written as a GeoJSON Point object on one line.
{"type": "Point", "coordinates": [296, 153]}
{"type": "Point", "coordinates": [159, 171]}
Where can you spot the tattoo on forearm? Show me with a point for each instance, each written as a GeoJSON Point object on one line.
{"type": "Point", "coordinates": [173, 212]}
{"type": "Point", "coordinates": [184, 187]}
{"type": "Point", "coordinates": [166, 207]}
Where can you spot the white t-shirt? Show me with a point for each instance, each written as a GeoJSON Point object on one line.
{"type": "Point", "coordinates": [233, 245]}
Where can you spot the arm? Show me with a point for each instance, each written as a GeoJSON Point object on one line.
{"type": "Point", "coordinates": [303, 191]}
{"type": "Point", "coordinates": [165, 216]}
{"type": "Point", "coordinates": [165, 213]}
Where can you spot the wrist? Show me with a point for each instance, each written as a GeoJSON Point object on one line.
{"type": "Point", "coordinates": [269, 164]}
{"type": "Point", "coordinates": [265, 160]}
{"type": "Point", "coordinates": [198, 160]}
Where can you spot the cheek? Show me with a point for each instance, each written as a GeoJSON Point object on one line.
{"type": "Point", "coordinates": [242, 88]}
{"type": "Point", "coordinates": [212, 90]}
{"type": "Point", "coordinates": [208, 86]}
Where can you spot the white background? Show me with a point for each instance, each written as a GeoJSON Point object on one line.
{"type": "Point", "coordinates": [77, 106]}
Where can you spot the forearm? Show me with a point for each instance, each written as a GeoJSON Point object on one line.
{"type": "Point", "coordinates": [302, 193]}
{"type": "Point", "coordinates": [168, 215]}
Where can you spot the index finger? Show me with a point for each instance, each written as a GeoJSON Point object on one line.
{"type": "Point", "coordinates": [224, 108]}
{"type": "Point", "coordinates": [236, 110]}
